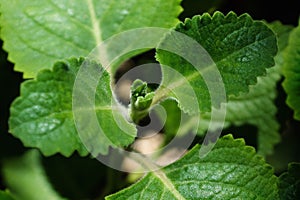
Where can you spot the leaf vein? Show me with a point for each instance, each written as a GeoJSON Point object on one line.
{"type": "Point", "coordinates": [95, 22]}
{"type": "Point", "coordinates": [52, 32]}
{"type": "Point", "coordinates": [72, 19]}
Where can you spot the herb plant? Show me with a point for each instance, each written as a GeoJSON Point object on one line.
{"type": "Point", "coordinates": [219, 73]}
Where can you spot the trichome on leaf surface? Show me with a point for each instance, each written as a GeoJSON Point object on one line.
{"type": "Point", "coordinates": [228, 83]}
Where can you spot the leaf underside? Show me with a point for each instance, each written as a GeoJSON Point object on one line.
{"type": "Point", "coordinates": [241, 48]}
{"type": "Point", "coordinates": [42, 116]}
{"type": "Point", "coordinates": [230, 171]}
{"type": "Point", "coordinates": [37, 33]}
{"type": "Point", "coordinates": [289, 183]}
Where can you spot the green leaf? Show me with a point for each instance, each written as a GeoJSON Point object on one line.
{"type": "Point", "coordinates": [37, 33]}
{"type": "Point", "coordinates": [289, 183]}
{"type": "Point", "coordinates": [5, 195]}
{"type": "Point", "coordinates": [177, 123]}
{"type": "Point", "coordinates": [291, 72]}
{"type": "Point", "coordinates": [256, 108]}
{"type": "Point", "coordinates": [241, 48]}
{"type": "Point", "coordinates": [141, 99]}
{"type": "Point", "coordinates": [173, 118]}
{"type": "Point", "coordinates": [230, 171]}
{"type": "Point", "coordinates": [26, 178]}
{"type": "Point", "coordinates": [283, 33]}
{"type": "Point", "coordinates": [42, 116]}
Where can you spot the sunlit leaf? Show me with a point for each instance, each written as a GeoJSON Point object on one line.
{"type": "Point", "coordinates": [42, 116]}
{"type": "Point", "coordinates": [37, 33]}
{"type": "Point", "coordinates": [231, 170]}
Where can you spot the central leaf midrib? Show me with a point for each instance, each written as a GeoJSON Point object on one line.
{"type": "Point", "coordinates": [95, 22]}
{"type": "Point", "coordinates": [70, 112]}
{"type": "Point", "coordinates": [168, 183]}
{"type": "Point", "coordinates": [155, 170]}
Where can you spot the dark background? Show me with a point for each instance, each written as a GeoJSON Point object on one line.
{"type": "Point", "coordinates": [285, 11]}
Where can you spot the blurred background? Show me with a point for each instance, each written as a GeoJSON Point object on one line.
{"type": "Point", "coordinates": [84, 178]}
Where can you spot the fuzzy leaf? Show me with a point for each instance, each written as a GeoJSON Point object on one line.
{"type": "Point", "coordinates": [255, 108]}
{"type": "Point", "coordinates": [258, 107]}
{"type": "Point", "coordinates": [141, 99]}
{"type": "Point", "coordinates": [42, 116]}
{"type": "Point", "coordinates": [26, 178]}
{"type": "Point", "coordinates": [289, 183]}
{"type": "Point", "coordinates": [291, 72]}
{"type": "Point", "coordinates": [230, 171]}
{"type": "Point", "coordinates": [241, 48]}
{"type": "Point", "coordinates": [37, 33]}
